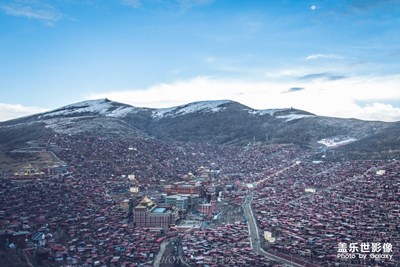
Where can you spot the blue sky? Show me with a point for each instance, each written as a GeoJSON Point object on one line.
{"type": "Point", "coordinates": [335, 58]}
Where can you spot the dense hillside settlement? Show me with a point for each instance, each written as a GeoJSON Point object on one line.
{"type": "Point", "coordinates": [90, 199]}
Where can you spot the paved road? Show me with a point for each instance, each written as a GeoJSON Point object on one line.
{"type": "Point", "coordinates": [252, 225]}
{"type": "Point", "coordinates": [254, 236]}
{"type": "Point", "coordinates": [253, 229]}
{"type": "Point", "coordinates": [160, 253]}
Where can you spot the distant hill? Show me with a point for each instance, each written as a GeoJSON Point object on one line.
{"type": "Point", "coordinates": [222, 122]}
{"type": "Point", "coordinates": [383, 145]}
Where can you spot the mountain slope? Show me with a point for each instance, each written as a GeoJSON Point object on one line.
{"type": "Point", "coordinates": [384, 144]}
{"type": "Point", "coordinates": [95, 116]}
{"type": "Point", "coordinates": [221, 122]}
{"type": "Point", "coordinates": [218, 122]}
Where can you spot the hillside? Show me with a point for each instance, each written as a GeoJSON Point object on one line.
{"type": "Point", "coordinates": [221, 122]}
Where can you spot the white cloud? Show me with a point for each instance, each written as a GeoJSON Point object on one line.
{"type": "Point", "coordinates": [45, 13]}
{"type": "Point", "coordinates": [9, 111]}
{"type": "Point", "coordinates": [377, 111]}
{"type": "Point", "coordinates": [324, 97]}
{"type": "Point", "coordinates": [322, 56]}
{"type": "Point", "coordinates": [337, 98]}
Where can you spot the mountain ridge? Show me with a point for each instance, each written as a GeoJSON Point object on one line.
{"type": "Point", "coordinates": [117, 109]}
{"type": "Point", "coordinates": [222, 122]}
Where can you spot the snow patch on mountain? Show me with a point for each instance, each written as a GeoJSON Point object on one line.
{"type": "Point", "coordinates": [122, 112]}
{"type": "Point", "coordinates": [291, 117]}
{"type": "Point", "coordinates": [287, 114]}
{"type": "Point", "coordinates": [66, 126]}
{"type": "Point", "coordinates": [265, 111]}
{"type": "Point", "coordinates": [336, 141]}
{"type": "Point", "coordinates": [82, 124]}
{"type": "Point", "coordinates": [100, 106]}
{"type": "Point", "coordinates": [95, 107]}
{"type": "Point", "coordinates": [201, 106]}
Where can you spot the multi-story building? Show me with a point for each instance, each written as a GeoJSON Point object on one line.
{"type": "Point", "coordinates": [147, 214]}
{"type": "Point", "coordinates": [179, 201]}
{"type": "Point", "coordinates": [182, 188]}
{"type": "Point", "coordinates": [208, 208]}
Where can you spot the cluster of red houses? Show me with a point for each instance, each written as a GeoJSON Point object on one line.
{"type": "Point", "coordinates": [78, 220]}
{"type": "Point", "coordinates": [312, 207]}
{"type": "Point", "coordinates": [78, 215]}
{"type": "Point", "coordinates": [228, 245]}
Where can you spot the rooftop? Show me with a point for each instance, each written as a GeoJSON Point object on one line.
{"type": "Point", "coordinates": [159, 210]}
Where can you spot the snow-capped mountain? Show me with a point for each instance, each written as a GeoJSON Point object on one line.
{"type": "Point", "coordinates": [200, 106]}
{"type": "Point", "coordinates": [105, 107]}
{"type": "Point", "coordinates": [218, 122]}
{"type": "Point", "coordinates": [91, 108]}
